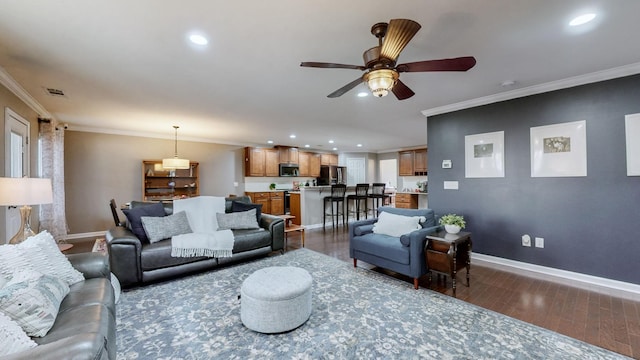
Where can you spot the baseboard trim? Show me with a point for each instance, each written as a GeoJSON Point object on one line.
{"type": "Point", "coordinates": [84, 235]}
{"type": "Point", "coordinates": [588, 282]}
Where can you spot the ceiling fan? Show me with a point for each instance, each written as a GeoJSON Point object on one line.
{"type": "Point", "coordinates": [382, 74]}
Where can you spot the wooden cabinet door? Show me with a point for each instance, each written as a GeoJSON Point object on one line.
{"type": "Point", "coordinates": [277, 203]}
{"type": "Point", "coordinates": [254, 162]}
{"type": "Point", "coordinates": [288, 155]}
{"type": "Point", "coordinates": [271, 163]}
{"type": "Point", "coordinates": [303, 163]}
{"type": "Point", "coordinates": [329, 159]}
{"type": "Point", "coordinates": [262, 198]}
{"type": "Point", "coordinates": [420, 162]}
{"type": "Point", "coordinates": [295, 207]}
{"type": "Point", "coordinates": [314, 166]}
{"type": "Point", "coordinates": [406, 163]}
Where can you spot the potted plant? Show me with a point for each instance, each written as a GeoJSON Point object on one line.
{"type": "Point", "coordinates": [272, 186]}
{"type": "Point", "coordinates": [453, 223]}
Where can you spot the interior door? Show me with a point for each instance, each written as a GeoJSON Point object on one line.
{"type": "Point", "coordinates": [16, 160]}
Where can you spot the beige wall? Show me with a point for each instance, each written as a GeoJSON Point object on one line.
{"type": "Point", "coordinates": [99, 167]}
{"type": "Point", "coordinates": [8, 99]}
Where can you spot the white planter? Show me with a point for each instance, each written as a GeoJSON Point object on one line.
{"type": "Point", "coordinates": [452, 229]}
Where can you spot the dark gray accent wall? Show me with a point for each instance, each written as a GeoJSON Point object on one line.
{"type": "Point", "coordinates": [589, 223]}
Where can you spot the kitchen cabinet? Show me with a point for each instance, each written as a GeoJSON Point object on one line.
{"type": "Point", "coordinates": [329, 159]}
{"type": "Point", "coordinates": [288, 155]}
{"type": "Point", "coordinates": [272, 201]}
{"type": "Point", "coordinates": [309, 164]}
{"type": "Point", "coordinates": [254, 162]}
{"type": "Point", "coordinates": [295, 210]}
{"type": "Point", "coordinates": [406, 201]}
{"type": "Point", "coordinates": [405, 163]}
{"type": "Point", "coordinates": [271, 162]}
{"type": "Point", "coordinates": [159, 184]}
{"type": "Point", "coordinates": [420, 162]}
{"type": "Point", "coordinates": [412, 162]}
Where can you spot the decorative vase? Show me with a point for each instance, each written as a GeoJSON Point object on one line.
{"type": "Point", "coordinates": [452, 229]}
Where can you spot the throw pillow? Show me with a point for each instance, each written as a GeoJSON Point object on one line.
{"type": "Point", "coordinates": [396, 225]}
{"type": "Point", "coordinates": [134, 215]}
{"type": "Point", "coordinates": [39, 253]}
{"type": "Point", "coordinates": [32, 300]}
{"type": "Point", "coordinates": [238, 220]}
{"type": "Point", "coordinates": [12, 338]}
{"type": "Point", "coordinates": [160, 228]}
{"type": "Point", "coordinates": [238, 206]}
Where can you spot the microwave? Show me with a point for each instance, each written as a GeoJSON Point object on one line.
{"type": "Point", "coordinates": [289, 170]}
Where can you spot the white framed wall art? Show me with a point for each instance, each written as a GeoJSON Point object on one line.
{"type": "Point", "coordinates": [484, 155]}
{"type": "Point", "coordinates": [559, 150]}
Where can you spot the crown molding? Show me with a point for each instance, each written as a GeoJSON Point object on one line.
{"type": "Point", "coordinates": [10, 83]}
{"type": "Point", "coordinates": [603, 75]}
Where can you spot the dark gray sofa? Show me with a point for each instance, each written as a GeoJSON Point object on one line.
{"type": "Point", "coordinates": [404, 255]}
{"type": "Point", "coordinates": [136, 262]}
{"type": "Point", "coordinates": [85, 327]}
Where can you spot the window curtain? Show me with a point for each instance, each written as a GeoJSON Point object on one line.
{"type": "Point", "coordinates": [52, 216]}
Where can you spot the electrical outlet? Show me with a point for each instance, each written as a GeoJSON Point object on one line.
{"type": "Point", "coordinates": [539, 242]}
{"type": "Point", "coordinates": [526, 240]}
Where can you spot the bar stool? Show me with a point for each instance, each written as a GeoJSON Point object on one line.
{"type": "Point", "coordinates": [377, 197]}
{"type": "Point", "coordinates": [361, 194]}
{"type": "Point", "coordinates": [337, 198]}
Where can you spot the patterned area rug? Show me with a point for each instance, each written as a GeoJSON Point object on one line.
{"type": "Point", "coordinates": [357, 314]}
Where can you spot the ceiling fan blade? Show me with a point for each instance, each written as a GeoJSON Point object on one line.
{"type": "Point", "coordinates": [331, 65]}
{"type": "Point", "coordinates": [345, 88]}
{"type": "Point", "coordinates": [399, 33]}
{"type": "Point", "coordinates": [455, 64]}
{"type": "Point", "coordinates": [402, 91]}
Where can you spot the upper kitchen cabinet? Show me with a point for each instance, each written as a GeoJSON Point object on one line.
{"type": "Point", "coordinates": [309, 164]}
{"type": "Point", "coordinates": [412, 162]}
{"type": "Point", "coordinates": [254, 162]}
{"type": "Point", "coordinates": [159, 184]}
{"type": "Point", "coordinates": [329, 159]}
{"type": "Point", "coordinates": [288, 155]}
{"type": "Point", "coordinates": [271, 162]}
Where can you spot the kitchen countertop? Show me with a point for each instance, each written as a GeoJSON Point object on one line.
{"type": "Point", "coordinates": [412, 192]}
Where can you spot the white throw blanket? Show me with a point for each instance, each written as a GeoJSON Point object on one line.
{"type": "Point", "coordinates": [206, 239]}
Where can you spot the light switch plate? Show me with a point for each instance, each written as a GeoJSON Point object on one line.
{"type": "Point", "coordinates": [539, 242]}
{"type": "Point", "coordinates": [446, 164]}
{"type": "Point", "coordinates": [451, 185]}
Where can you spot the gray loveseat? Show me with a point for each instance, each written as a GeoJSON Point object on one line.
{"type": "Point", "coordinates": [85, 327]}
{"type": "Point", "coordinates": [404, 254]}
{"type": "Point", "coordinates": [136, 262]}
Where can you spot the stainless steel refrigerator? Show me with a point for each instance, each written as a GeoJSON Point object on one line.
{"type": "Point", "coordinates": [331, 174]}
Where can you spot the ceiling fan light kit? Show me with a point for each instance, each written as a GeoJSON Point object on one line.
{"type": "Point", "coordinates": [382, 73]}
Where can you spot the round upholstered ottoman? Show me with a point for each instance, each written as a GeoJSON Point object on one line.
{"type": "Point", "coordinates": [276, 299]}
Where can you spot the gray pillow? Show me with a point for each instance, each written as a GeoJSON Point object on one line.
{"type": "Point", "coordinates": [238, 220]}
{"type": "Point", "coordinates": [159, 228]}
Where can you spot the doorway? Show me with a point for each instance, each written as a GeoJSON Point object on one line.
{"type": "Point", "coordinates": [16, 161]}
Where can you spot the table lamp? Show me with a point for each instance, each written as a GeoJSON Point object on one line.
{"type": "Point", "coordinates": [24, 191]}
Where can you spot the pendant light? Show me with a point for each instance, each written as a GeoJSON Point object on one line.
{"type": "Point", "coordinates": [175, 162]}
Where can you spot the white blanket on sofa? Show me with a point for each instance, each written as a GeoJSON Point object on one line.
{"type": "Point", "coordinates": [206, 239]}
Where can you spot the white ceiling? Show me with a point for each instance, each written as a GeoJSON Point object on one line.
{"type": "Point", "coordinates": [126, 67]}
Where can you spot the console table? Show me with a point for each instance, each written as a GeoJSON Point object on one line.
{"type": "Point", "coordinates": [443, 257]}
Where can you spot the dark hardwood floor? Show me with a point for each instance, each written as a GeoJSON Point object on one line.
{"type": "Point", "coordinates": [599, 319]}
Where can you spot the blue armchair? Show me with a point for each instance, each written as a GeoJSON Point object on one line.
{"type": "Point", "coordinates": [404, 254]}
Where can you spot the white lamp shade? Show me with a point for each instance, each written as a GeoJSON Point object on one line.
{"type": "Point", "coordinates": [175, 163]}
{"type": "Point", "coordinates": [25, 191]}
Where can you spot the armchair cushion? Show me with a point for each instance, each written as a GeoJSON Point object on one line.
{"type": "Point", "coordinates": [135, 214]}
{"type": "Point", "coordinates": [397, 225]}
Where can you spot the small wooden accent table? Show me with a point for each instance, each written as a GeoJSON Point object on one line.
{"type": "Point", "coordinates": [64, 247]}
{"type": "Point", "coordinates": [289, 226]}
{"type": "Point", "coordinates": [443, 257]}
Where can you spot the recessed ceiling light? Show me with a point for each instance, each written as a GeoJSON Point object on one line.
{"type": "Point", "coordinates": [269, 141]}
{"type": "Point", "coordinates": [363, 94]}
{"type": "Point", "coordinates": [334, 149]}
{"type": "Point", "coordinates": [307, 145]}
{"type": "Point", "coordinates": [359, 145]}
{"type": "Point", "coordinates": [330, 141]}
{"type": "Point", "coordinates": [582, 19]}
{"type": "Point", "coordinates": [292, 136]}
{"type": "Point", "coordinates": [198, 39]}
{"type": "Point", "coordinates": [508, 83]}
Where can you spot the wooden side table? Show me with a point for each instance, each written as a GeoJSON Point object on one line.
{"type": "Point", "coordinates": [443, 257]}
{"type": "Point", "coordinates": [289, 226]}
